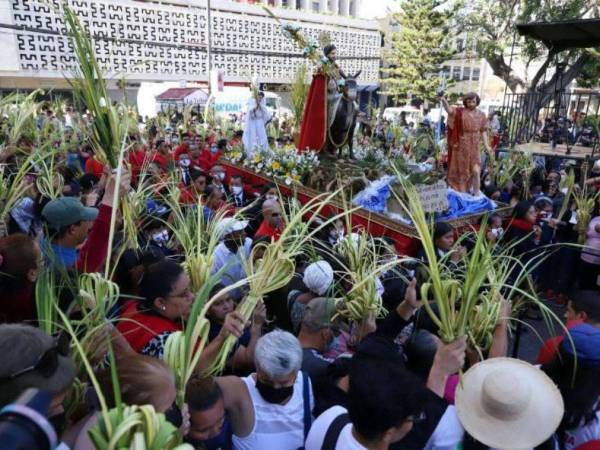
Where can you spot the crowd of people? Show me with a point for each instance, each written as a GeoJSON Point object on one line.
{"type": "Point", "coordinates": [300, 375]}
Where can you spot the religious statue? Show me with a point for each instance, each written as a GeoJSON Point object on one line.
{"type": "Point", "coordinates": [331, 109]}
{"type": "Point", "coordinates": [257, 117]}
{"type": "Point", "coordinates": [467, 130]}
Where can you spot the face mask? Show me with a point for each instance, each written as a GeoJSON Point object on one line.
{"type": "Point", "coordinates": [214, 149]}
{"type": "Point", "coordinates": [173, 415]}
{"type": "Point", "coordinates": [161, 236]}
{"type": "Point", "coordinates": [271, 197]}
{"type": "Point", "coordinates": [184, 162]}
{"type": "Point", "coordinates": [237, 190]}
{"type": "Point", "coordinates": [232, 245]}
{"type": "Point", "coordinates": [274, 395]}
{"type": "Point", "coordinates": [497, 232]}
{"type": "Point", "coordinates": [214, 443]}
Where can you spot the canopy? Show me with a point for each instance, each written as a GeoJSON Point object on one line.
{"type": "Point", "coordinates": [583, 33]}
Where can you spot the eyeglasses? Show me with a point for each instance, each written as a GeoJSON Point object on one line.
{"type": "Point", "coordinates": [47, 363]}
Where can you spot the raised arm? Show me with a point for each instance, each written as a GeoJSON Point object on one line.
{"type": "Point", "coordinates": [449, 109]}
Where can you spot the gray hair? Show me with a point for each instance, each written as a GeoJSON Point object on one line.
{"type": "Point", "coordinates": [278, 354]}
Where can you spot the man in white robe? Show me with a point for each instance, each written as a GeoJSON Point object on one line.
{"type": "Point", "coordinates": [255, 133]}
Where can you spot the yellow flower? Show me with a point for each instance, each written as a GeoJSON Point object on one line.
{"type": "Point", "coordinates": [275, 165]}
{"type": "Point", "coordinates": [256, 157]}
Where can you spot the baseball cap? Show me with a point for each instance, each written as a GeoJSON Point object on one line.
{"type": "Point", "coordinates": [33, 359]}
{"type": "Point", "coordinates": [319, 313]}
{"type": "Point", "coordinates": [586, 340]}
{"type": "Point", "coordinates": [65, 211]}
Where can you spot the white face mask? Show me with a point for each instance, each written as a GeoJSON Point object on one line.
{"type": "Point", "coordinates": [220, 175]}
{"type": "Point", "coordinates": [237, 190]}
{"type": "Point", "coordinates": [497, 232]}
{"type": "Point", "coordinates": [271, 197]}
{"type": "Point", "coordinates": [184, 162]}
{"type": "Point", "coordinates": [161, 236]}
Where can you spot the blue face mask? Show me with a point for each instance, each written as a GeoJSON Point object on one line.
{"type": "Point", "coordinates": [213, 149]}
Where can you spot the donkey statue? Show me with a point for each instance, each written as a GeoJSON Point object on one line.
{"type": "Point", "coordinates": [342, 112]}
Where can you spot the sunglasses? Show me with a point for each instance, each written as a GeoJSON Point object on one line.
{"type": "Point", "coordinates": [47, 363]}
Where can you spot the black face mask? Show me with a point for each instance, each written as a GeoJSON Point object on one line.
{"type": "Point", "coordinates": [173, 415]}
{"type": "Point", "coordinates": [232, 245]}
{"type": "Point", "coordinates": [272, 394]}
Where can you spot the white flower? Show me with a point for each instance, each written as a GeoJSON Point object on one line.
{"type": "Point", "coordinates": [102, 102]}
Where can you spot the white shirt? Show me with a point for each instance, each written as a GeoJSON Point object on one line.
{"type": "Point", "coordinates": [448, 434]}
{"type": "Point", "coordinates": [319, 429]}
{"type": "Point", "coordinates": [278, 427]}
{"type": "Point", "coordinates": [224, 258]}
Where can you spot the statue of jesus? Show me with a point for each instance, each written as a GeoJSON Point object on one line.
{"type": "Point", "coordinates": [467, 129]}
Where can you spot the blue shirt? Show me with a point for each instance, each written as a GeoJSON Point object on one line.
{"type": "Point", "coordinates": [57, 256]}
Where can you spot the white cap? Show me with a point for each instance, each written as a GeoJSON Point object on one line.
{"type": "Point", "coordinates": [230, 225]}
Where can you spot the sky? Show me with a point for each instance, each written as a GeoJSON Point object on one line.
{"type": "Point", "coordinates": [377, 8]}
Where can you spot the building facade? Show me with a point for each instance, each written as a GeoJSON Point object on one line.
{"type": "Point", "coordinates": [168, 40]}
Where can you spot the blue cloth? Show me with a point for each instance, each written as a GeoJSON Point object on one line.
{"type": "Point", "coordinates": [460, 204]}
{"type": "Point", "coordinates": [375, 196]}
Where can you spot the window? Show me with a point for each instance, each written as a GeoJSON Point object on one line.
{"type": "Point", "coordinates": [475, 75]}
{"type": "Point", "coordinates": [460, 45]}
{"type": "Point", "coordinates": [447, 70]}
{"type": "Point", "coordinates": [466, 73]}
{"type": "Point", "coordinates": [456, 73]}
{"type": "Point", "coordinates": [315, 6]}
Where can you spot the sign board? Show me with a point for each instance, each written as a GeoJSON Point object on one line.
{"type": "Point", "coordinates": [434, 197]}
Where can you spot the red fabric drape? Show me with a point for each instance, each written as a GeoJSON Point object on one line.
{"type": "Point", "coordinates": [454, 133]}
{"type": "Point", "coordinates": [313, 130]}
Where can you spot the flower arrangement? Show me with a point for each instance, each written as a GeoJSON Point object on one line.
{"type": "Point", "coordinates": [286, 163]}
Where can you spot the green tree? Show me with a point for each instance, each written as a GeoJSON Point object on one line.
{"type": "Point", "coordinates": [493, 23]}
{"type": "Point", "coordinates": [418, 49]}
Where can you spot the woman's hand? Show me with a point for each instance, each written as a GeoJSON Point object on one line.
{"type": "Point", "coordinates": [233, 325]}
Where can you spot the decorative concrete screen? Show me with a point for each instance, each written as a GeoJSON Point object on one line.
{"type": "Point", "coordinates": [150, 41]}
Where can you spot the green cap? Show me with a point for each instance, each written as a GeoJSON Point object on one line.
{"type": "Point", "coordinates": [318, 313]}
{"type": "Point", "coordinates": [65, 211]}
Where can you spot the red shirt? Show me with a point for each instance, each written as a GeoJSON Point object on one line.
{"type": "Point", "coordinates": [550, 348]}
{"type": "Point", "coordinates": [94, 166]}
{"type": "Point", "coordinates": [142, 326]}
{"type": "Point", "coordinates": [183, 148]}
{"type": "Point", "coordinates": [188, 196]}
{"type": "Point", "coordinates": [208, 159]}
{"type": "Point", "coordinates": [267, 230]}
{"type": "Point", "coordinates": [162, 160]}
{"type": "Point", "coordinates": [137, 158]}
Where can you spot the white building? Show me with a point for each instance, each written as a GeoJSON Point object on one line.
{"type": "Point", "coordinates": [166, 40]}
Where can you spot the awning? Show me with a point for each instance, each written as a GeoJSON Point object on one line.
{"type": "Point", "coordinates": [583, 33]}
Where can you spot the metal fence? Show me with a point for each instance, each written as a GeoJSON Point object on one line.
{"type": "Point", "coordinates": [562, 118]}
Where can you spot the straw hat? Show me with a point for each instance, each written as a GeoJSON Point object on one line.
{"type": "Point", "coordinates": [508, 404]}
